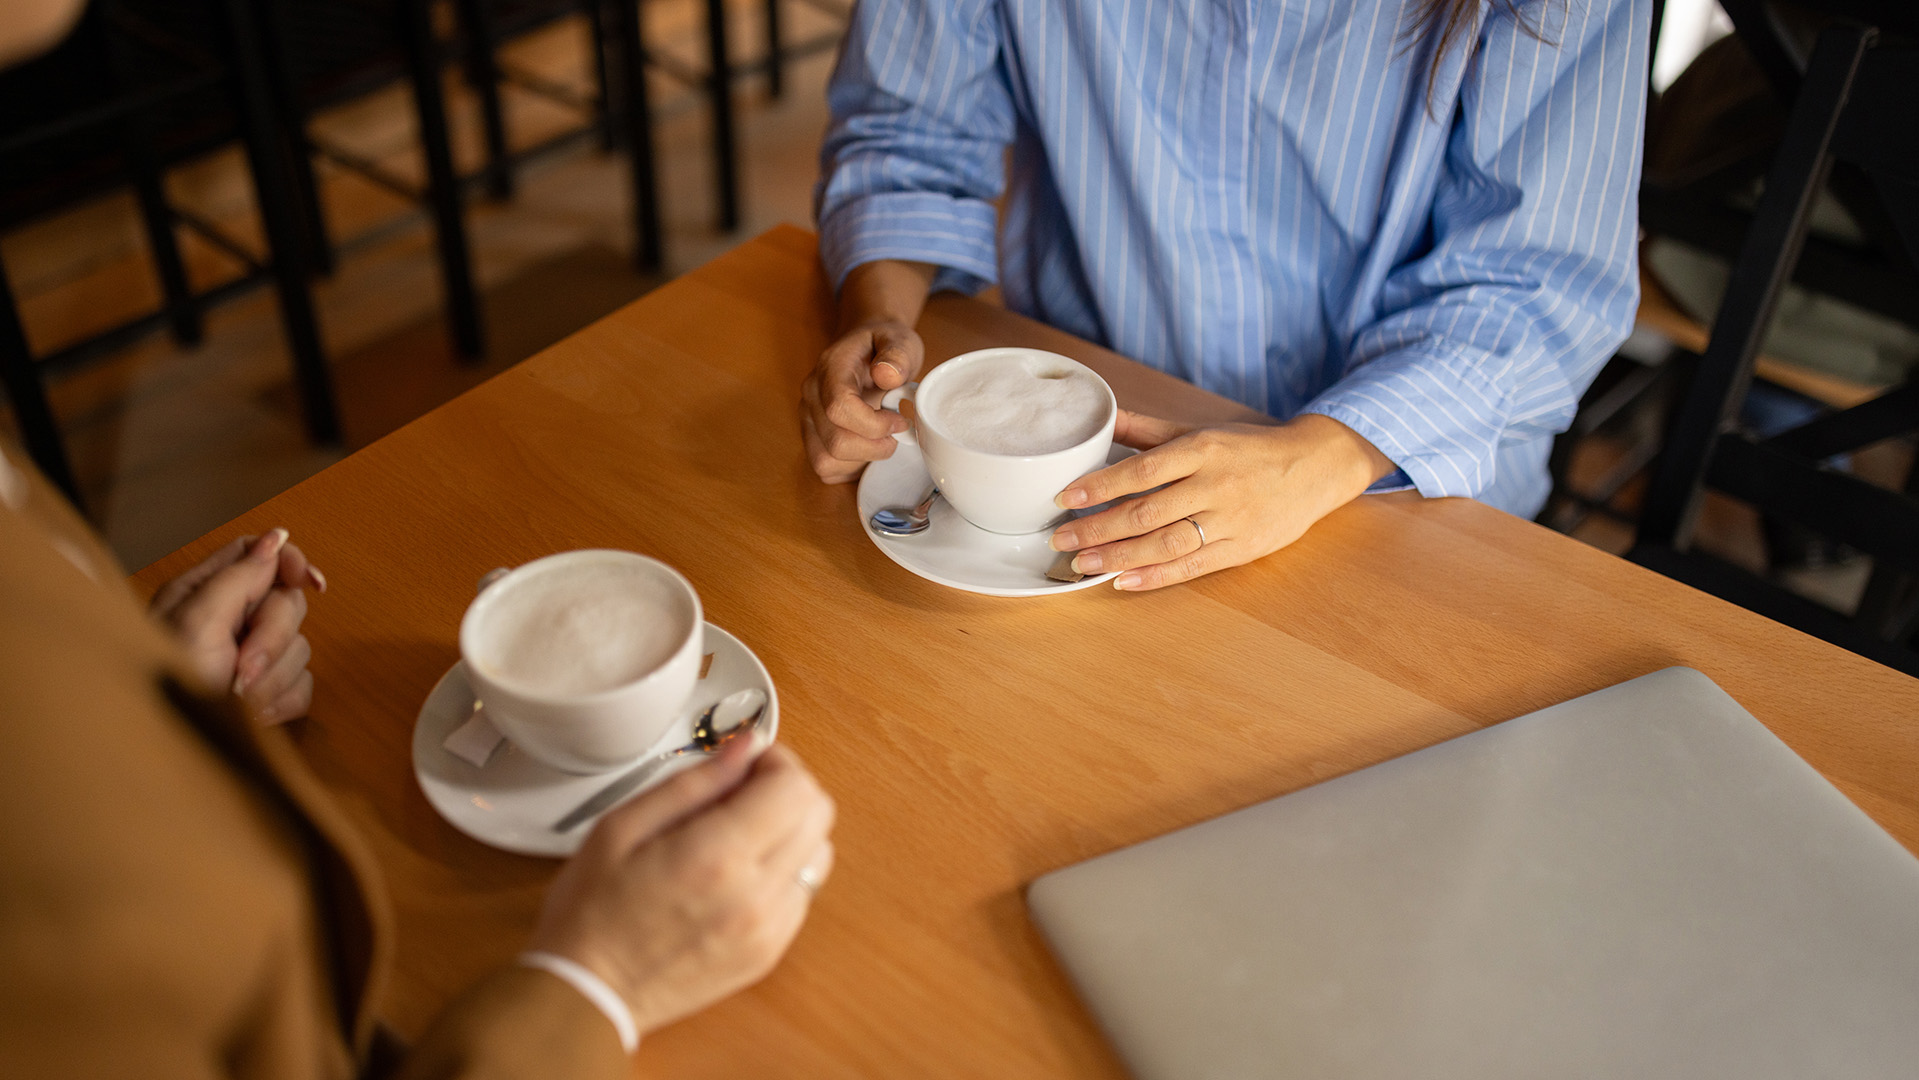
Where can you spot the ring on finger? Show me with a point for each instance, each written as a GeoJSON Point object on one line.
{"type": "Point", "coordinates": [810, 879]}
{"type": "Point", "coordinates": [1164, 544]}
{"type": "Point", "coordinates": [1201, 529]}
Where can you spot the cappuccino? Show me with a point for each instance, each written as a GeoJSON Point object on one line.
{"type": "Point", "coordinates": [1019, 405]}
{"type": "Point", "coordinates": [577, 628]}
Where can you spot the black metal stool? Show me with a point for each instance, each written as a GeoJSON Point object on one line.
{"type": "Point", "coordinates": [1855, 104]}
{"type": "Point", "coordinates": [153, 83]}
{"type": "Point", "coordinates": [324, 53]}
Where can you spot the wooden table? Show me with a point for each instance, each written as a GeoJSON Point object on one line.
{"type": "Point", "coordinates": [973, 743]}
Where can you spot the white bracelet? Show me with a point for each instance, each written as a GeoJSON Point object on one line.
{"type": "Point", "coordinates": [593, 988]}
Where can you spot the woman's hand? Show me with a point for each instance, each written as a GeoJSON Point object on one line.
{"type": "Point", "coordinates": [692, 891]}
{"type": "Point", "coordinates": [1251, 488]}
{"type": "Point", "coordinates": [840, 417]}
{"type": "Point", "coordinates": [238, 613]}
{"type": "Point", "coordinates": [878, 350]}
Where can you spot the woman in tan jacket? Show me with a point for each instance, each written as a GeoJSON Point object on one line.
{"type": "Point", "coordinates": [179, 899]}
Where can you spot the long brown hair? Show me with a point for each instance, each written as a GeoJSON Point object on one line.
{"type": "Point", "coordinates": [1455, 20]}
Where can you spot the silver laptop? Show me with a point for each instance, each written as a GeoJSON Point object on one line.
{"type": "Point", "coordinates": [1641, 883]}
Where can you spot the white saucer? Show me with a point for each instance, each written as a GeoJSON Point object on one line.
{"type": "Point", "coordinates": [513, 802]}
{"type": "Point", "coordinates": [955, 552]}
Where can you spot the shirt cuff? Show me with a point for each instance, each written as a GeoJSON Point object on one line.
{"type": "Point", "coordinates": [1397, 480]}
{"type": "Point", "coordinates": [956, 234]}
{"type": "Point", "coordinates": [1436, 415]}
{"type": "Point", "coordinates": [591, 987]}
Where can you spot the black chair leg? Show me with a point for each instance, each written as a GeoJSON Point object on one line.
{"type": "Point", "coordinates": [1770, 251]}
{"type": "Point", "coordinates": [1890, 605]}
{"type": "Point", "coordinates": [720, 90]}
{"type": "Point", "coordinates": [274, 187]}
{"type": "Point", "coordinates": [306, 187]}
{"type": "Point", "coordinates": [183, 308]}
{"type": "Point", "coordinates": [38, 428]}
{"type": "Point", "coordinates": [483, 74]}
{"type": "Point", "coordinates": [443, 186]}
{"type": "Point", "coordinates": [610, 94]}
{"type": "Point", "coordinates": [149, 189]}
{"type": "Point", "coordinates": [637, 115]}
{"type": "Point", "coordinates": [299, 151]}
{"type": "Point", "coordinates": [775, 59]}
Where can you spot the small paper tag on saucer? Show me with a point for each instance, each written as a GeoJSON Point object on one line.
{"type": "Point", "coordinates": [1062, 568]}
{"type": "Point", "coordinates": [475, 741]}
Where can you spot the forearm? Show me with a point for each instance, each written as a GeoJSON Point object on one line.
{"type": "Point", "coordinates": [914, 159]}
{"type": "Point", "coordinates": [885, 291]}
{"type": "Point", "coordinates": [1490, 337]}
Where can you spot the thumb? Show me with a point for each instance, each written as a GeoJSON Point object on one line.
{"type": "Point", "coordinates": [897, 355]}
{"type": "Point", "coordinates": [647, 815]}
{"type": "Point", "coordinates": [226, 599]}
{"type": "Point", "coordinates": [1143, 432]}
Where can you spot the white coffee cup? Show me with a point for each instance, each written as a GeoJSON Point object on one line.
{"type": "Point", "coordinates": [607, 726]}
{"type": "Point", "coordinates": [1002, 493]}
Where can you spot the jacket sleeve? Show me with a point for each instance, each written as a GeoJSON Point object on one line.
{"type": "Point", "coordinates": [518, 1024]}
{"type": "Point", "coordinates": [1492, 333]}
{"type": "Point", "coordinates": [914, 155]}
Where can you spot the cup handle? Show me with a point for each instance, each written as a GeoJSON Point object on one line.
{"type": "Point", "coordinates": [892, 401]}
{"type": "Point", "coordinates": [487, 579]}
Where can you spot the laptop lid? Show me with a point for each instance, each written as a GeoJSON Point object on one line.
{"type": "Point", "coordinates": [1642, 882]}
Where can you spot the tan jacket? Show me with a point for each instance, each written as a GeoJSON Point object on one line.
{"type": "Point", "coordinates": [178, 896]}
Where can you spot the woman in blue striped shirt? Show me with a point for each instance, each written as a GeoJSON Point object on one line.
{"type": "Point", "coordinates": [1404, 228]}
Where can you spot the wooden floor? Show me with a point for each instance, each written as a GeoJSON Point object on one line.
{"type": "Point", "coordinates": [170, 442]}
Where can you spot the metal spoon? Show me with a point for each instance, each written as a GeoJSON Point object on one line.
{"type": "Point", "coordinates": [749, 705]}
{"type": "Point", "coordinates": [906, 520]}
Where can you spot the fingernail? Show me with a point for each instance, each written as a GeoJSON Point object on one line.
{"type": "Point", "coordinates": [1128, 580]}
{"type": "Point", "coordinates": [1065, 539]}
{"type": "Point", "coordinates": [890, 367]}
{"type": "Point", "coordinates": [270, 544]}
{"type": "Point", "coordinates": [1086, 562]}
{"type": "Point", "coordinates": [318, 579]}
{"type": "Point", "coordinates": [247, 670]}
{"type": "Point", "coordinates": [1072, 498]}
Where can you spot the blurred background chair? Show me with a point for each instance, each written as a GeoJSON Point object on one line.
{"type": "Point", "coordinates": [145, 86]}
{"type": "Point", "coordinates": [140, 87]}
{"type": "Point", "coordinates": [169, 438]}
{"type": "Point", "coordinates": [1854, 105]}
{"type": "Point", "coordinates": [1844, 331]}
{"type": "Point", "coordinates": [619, 110]}
{"type": "Point", "coordinates": [325, 53]}
{"type": "Point", "coordinates": [719, 77]}
{"type": "Point", "coordinates": [621, 102]}
{"type": "Point", "coordinates": [1791, 417]}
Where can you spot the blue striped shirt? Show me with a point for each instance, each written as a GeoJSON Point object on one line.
{"type": "Point", "coordinates": [1260, 198]}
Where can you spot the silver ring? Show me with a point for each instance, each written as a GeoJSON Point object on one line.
{"type": "Point", "coordinates": [810, 880]}
{"type": "Point", "coordinates": [1202, 532]}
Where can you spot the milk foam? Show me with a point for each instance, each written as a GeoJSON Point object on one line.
{"type": "Point", "coordinates": [1018, 405]}
{"type": "Point", "coordinates": [581, 628]}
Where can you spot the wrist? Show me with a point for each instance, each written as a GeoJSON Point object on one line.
{"type": "Point", "coordinates": [1354, 462]}
{"type": "Point", "coordinates": [888, 293]}
{"type": "Point", "coordinates": [596, 990]}
{"type": "Point", "coordinates": [875, 324]}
